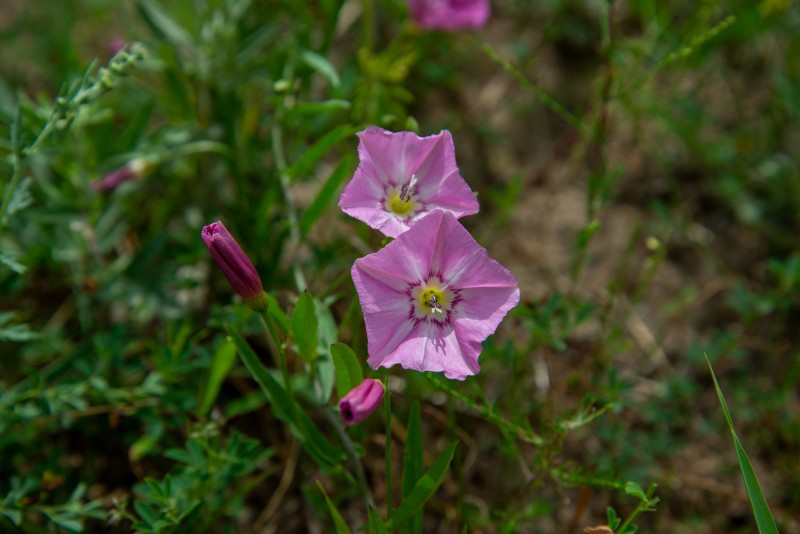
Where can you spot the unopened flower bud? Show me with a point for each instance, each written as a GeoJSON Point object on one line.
{"type": "Point", "coordinates": [361, 401]}
{"type": "Point", "coordinates": [235, 265]}
{"type": "Point", "coordinates": [136, 168]}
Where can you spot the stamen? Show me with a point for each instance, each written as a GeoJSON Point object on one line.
{"type": "Point", "coordinates": [434, 305]}
{"type": "Point", "coordinates": [408, 189]}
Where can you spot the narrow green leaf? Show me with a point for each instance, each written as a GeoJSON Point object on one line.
{"type": "Point", "coordinates": [147, 514]}
{"type": "Point", "coordinates": [313, 154]}
{"type": "Point", "coordinates": [322, 65]}
{"type": "Point", "coordinates": [424, 489]}
{"type": "Point", "coordinates": [13, 515]}
{"type": "Point", "coordinates": [10, 331]}
{"type": "Point", "coordinates": [284, 408]}
{"type": "Point", "coordinates": [348, 368]}
{"type": "Point", "coordinates": [325, 196]}
{"type": "Point", "coordinates": [764, 519]}
{"type": "Point", "coordinates": [326, 335]}
{"type": "Point", "coordinates": [338, 522]}
{"type": "Point", "coordinates": [412, 464]}
{"type": "Point", "coordinates": [163, 24]}
{"type": "Point", "coordinates": [376, 524]}
{"type": "Point", "coordinates": [316, 108]}
{"type": "Point", "coordinates": [304, 327]}
{"type": "Point", "coordinates": [221, 364]}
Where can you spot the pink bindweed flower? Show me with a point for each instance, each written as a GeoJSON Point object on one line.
{"type": "Point", "coordinates": [235, 265]}
{"type": "Point", "coordinates": [449, 15]}
{"type": "Point", "coordinates": [431, 297]}
{"type": "Point", "coordinates": [401, 177]}
{"type": "Point", "coordinates": [362, 400]}
{"type": "Point", "coordinates": [137, 168]}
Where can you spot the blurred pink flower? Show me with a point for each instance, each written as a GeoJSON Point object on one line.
{"type": "Point", "coordinates": [362, 400]}
{"type": "Point", "coordinates": [235, 264]}
{"type": "Point", "coordinates": [401, 177]}
{"type": "Point", "coordinates": [137, 168]}
{"type": "Point", "coordinates": [115, 45]}
{"type": "Point", "coordinates": [431, 297]}
{"type": "Point", "coordinates": [449, 15]}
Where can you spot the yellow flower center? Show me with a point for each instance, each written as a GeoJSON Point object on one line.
{"type": "Point", "coordinates": [431, 300]}
{"type": "Point", "coordinates": [400, 207]}
{"type": "Point", "coordinates": [400, 200]}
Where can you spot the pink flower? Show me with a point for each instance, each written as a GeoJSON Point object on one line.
{"type": "Point", "coordinates": [235, 264]}
{"type": "Point", "coordinates": [431, 297]}
{"type": "Point", "coordinates": [402, 177]}
{"type": "Point", "coordinates": [449, 15]}
{"type": "Point", "coordinates": [362, 400]}
{"type": "Point", "coordinates": [137, 168]}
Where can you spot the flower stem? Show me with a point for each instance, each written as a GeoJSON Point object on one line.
{"type": "Point", "coordinates": [387, 410]}
{"type": "Point", "coordinates": [291, 209]}
{"type": "Point", "coordinates": [351, 451]}
{"type": "Point", "coordinates": [276, 339]}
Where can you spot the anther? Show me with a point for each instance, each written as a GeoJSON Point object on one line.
{"type": "Point", "coordinates": [408, 189]}
{"type": "Point", "coordinates": [434, 305]}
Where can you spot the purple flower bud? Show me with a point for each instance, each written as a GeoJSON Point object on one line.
{"type": "Point", "coordinates": [361, 401]}
{"type": "Point", "coordinates": [235, 265]}
{"type": "Point", "coordinates": [137, 168]}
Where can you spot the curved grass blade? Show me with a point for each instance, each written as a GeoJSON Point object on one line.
{"type": "Point", "coordinates": [764, 519]}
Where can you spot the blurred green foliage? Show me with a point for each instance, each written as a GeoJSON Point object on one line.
{"type": "Point", "coordinates": [122, 404]}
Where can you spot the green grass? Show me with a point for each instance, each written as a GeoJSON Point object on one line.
{"type": "Point", "coordinates": [637, 171]}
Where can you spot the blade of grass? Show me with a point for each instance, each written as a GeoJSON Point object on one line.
{"type": "Point", "coordinates": [424, 489]}
{"type": "Point", "coordinates": [412, 465]}
{"type": "Point", "coordinates": [764, 520]}
{"type": "Point", "coordinates": [339, 526]}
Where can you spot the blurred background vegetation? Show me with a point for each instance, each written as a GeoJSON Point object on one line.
{"type": "Point", "coordinates": [638, 171]}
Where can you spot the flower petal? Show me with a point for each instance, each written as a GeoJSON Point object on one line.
{"type": "Point", "coordinates": [479, 313]}
{"type": "Point", "coordinates": [389, 160]}
{"type": "Point", "coordinates": [433, 347]}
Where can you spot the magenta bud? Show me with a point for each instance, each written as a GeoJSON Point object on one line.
{"type": "Point", "coordinates": [137, 168]}
{"type": "Point", "coordinates": [361, 401]}
{"type": "Point", "coordinates": [235, 265]}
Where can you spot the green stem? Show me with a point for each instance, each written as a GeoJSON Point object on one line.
{"type": "Point", "coordinates": [351, 451]}
{"type": "Point", "coordinates": [387, 410]}
{"type": "Point", "coordinates": [273, 332]}
{"type": "Point", "coordinates": [291, 209]}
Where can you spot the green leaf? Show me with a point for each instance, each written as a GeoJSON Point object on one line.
{"type": "Point", "coordinates": [304, 327]}
{"type": "Point", "coordinates": [164, 25]}
{"type": "Point", "coordinates": [284, 408]}
{"type": "Point", "coordinates": [221, 364]}
{"type": "Point", "coordinates": [764, 519]}
{"type": "Point", "coordinates": [633, 489]}
{"type": "Point", "coordinates": [9, 260]}
{"type": "Point", "coordinates": [20, 197]}
{"type": "Point", "coordinates": [147, 514]}
{"type": "Point", "coordinates": [306, 162]}
{"type": "Point", "coordinates": [376, 524]}
{"type": "Point", "coordinates": [321, 65]}
{"type": "Point", "coordinates": [325, 196]}
{"type": "Point", "coordinates": [424, 489]}
{"type": "Point", "coordinates": [412, 464]}
{"type": "Point", "coordinates": [14, 332]}
{"type": "Point", "coordinates": [339, 525]}
{"type": "Point", "coordinates": [13, 515]}
{"type": "Point", "coordinates": [316, 108]}
{"type": "Point", "coordinates": [348, 368]}
{"type": "Point", "coordinates": [326, 335]}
